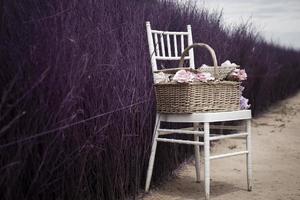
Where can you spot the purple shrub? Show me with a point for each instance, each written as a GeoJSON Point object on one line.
{"type": "Point", "coordinates": [77, 105]}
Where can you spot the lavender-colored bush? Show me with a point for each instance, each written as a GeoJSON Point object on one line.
{"type": "Point", "coordinates": [77, 104]}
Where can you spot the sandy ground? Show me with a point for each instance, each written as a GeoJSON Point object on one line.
{"type": "Point", "coordinates": [276, 163]}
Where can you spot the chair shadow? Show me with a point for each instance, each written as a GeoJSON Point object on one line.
{"type": "Point", "coordinates": [185, 187]}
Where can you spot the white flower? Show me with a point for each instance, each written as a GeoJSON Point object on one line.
{"type": "Point", "coordinates": [161, 78]}
{"type": "Point", "coordinates": [244, 103]}
{"type": "Point", "coordinates": [227, 63]}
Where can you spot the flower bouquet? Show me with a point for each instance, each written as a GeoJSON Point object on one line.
{"type": "Point", "coordinates": [189, 90]}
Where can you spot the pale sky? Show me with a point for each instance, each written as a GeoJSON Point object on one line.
{"type": "Point", "coordinates": [278, 20]}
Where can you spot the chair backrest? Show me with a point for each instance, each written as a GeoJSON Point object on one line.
{"type": "Point", "coordinates": [169, 45]}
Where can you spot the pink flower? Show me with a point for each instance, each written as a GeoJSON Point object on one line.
{"type": "Point", "coordinates": [204, 76]}
{"type": "Point", "coordinates": [242, 75]}
{"type": "Point", "coordinates": [239, 74]}
{"type": "Point", "coordinates": [183, 76]}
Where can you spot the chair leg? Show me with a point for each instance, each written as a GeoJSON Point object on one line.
{"type": "Point", "coordinates": [206, 160]}
{"type": "Point", "coordinates": [153, 151]}
{"type": "Point", "coordinates": [249, 156]}
{"type": "Point", "coordinates": [197, 155]}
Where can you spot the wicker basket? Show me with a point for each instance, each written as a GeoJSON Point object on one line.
{"type": "Point", "coordinates": [216, 96]}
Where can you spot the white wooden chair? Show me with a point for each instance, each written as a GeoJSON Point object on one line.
{"type": "Point", "coordinates": [157, 41]}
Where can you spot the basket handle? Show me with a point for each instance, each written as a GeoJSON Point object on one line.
{"type": "Point", "coordinates": [211, 51]}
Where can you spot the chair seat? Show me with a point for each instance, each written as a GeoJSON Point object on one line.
{"type": "Point", "coordinates": [206, 117]}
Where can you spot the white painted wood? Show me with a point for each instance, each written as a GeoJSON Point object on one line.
{"type": "Point", "coordinates": [249, 155]}
{"type": "Point", "coordinates": [156, 44]}
{"type": "Point", "coordinates": [182, 44]}
{"type": "Point", "coordinates": [197, 154]}
{"type": "Point", "coordinates": [165, 133]}
{"type": "Point", "coordinates": [169, 132]}
{"type": "Point", "coordinates": [224, 127]}
{"type": "Point", "coordinates": [206, 160]}
{"type": "Point", "coordinates": [175, 45]}
{"type": "Point", "coordinates": [170, 58]}
{"type": "Point", "coordinates": [207, 117]}
{"type": "Point", "coordinates": [181, 131]}
{"type": "Point", "coordinates": [151, 47]}
{"type": "Point", "coordinates": [169, 45]}
{"type": "Point", "coordinates": [190, 42]}
{"type": "Point", "coordinates": [179, 141]}
{"type": "Point", "coordinates": [228, 155]}
{"type": "Point", "coordinates": [236, 135]}
{"type": "Point", "coordinates": [162, 43]}
{"type": "Point", "coordinates": [169, 32]}
{"type": "Point", "coordinates": [153, 151]}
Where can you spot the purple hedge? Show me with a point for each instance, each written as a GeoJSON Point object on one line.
{"type": "Point", "coordinates": [77, 105]}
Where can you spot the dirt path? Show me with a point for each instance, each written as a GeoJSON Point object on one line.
{"type": "Point", "coordinates": [276, 163]}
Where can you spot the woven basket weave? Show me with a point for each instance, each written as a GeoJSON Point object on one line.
{"type": "Point", "coordinates": [216, 96]}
